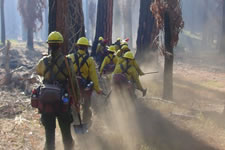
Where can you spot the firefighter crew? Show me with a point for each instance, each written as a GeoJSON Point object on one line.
{"type": "Point", "coordinates": [120, 54]}
{"type": "Point", "coordinates": [100, 51]}
{"type": "Point", "coordinates": [126, 71]}
{"type": "Point", "coordinates": [86, 72]}
{"type": "Point", "coordinates": [54, 65]}
{"type": "Point", "coordinates": [109, 62]}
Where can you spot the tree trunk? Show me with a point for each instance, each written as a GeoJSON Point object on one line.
{"type": "Point", "coordinates": [30, 38]}
{"type": "Point", "coordinates": [168, 66]}
{"type": "Point", "coordinates": [75, 23]}
{"type": "Point", "coordinates": [66, 17]}
{"type": "Point", "coordinates": [104, 22]}
{"type": "Point", "coordinates": [147, 30]}
{"type": "Point", "coordinates": [222, 42]}
{"type": "Point", "coordinates": [2, 23]}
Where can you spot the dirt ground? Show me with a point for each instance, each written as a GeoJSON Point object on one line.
{"type": "Point", "coordinates": [194, 120]}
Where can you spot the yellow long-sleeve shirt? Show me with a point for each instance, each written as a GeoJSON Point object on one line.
{"type": "Point", "coordinates": [88, 70]}
{"type": "Point", "coordinates": [107, 60]}
{"type": "Point", "coordinates": [131, 73]}
{"type": "Point", "coordinates": [119, 55]}
{"type": "Point", "coordinates": [61, 77]}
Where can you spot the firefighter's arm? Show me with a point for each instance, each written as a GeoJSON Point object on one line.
{"type": "Point", "coordinates": [40, 68]}
{"type": "Point", "coordinates": [103, 64]}
{"type": "Point", "coordinates": [140, 72]}
{"type": "Point", "coordinates": [93, 75]}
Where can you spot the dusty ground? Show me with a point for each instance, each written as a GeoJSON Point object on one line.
{"type": "Point", "coordinates": [192, 121]}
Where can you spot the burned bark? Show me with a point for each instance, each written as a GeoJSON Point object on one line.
{"type": "Point", "coordinates": [168, 66]}
{"type": "Point", "coordinates": [222, 43]}
{"type": "Point", "coordinates": [104, 22]}
{"type": "Point", "coordinates": [2, 23]}
{"type": "Point", "coordinates": [147, 30]}
{"type": "Point", "coordinates": [67, 18]}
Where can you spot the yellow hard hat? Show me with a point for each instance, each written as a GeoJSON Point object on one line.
{"type": "Point", "coordinates": [118, 39]}
{"type": "Point", "coordinates": [128, 55]}
{"type": "Point", "coordinates": [111, 49]}
{"type": "Point", "coordinates": [125, 47]}
{"type": "Point", "coordinates": [124, 43]}
{"type": "Point", "coordinates": [83, 41]}
{"type": "Point", "coordinates": [100, 38]}
{"type": "Point", "coordinates": [55, 37]}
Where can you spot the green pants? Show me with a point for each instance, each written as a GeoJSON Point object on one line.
{"type": "Point", "coordinates": [49, 122]}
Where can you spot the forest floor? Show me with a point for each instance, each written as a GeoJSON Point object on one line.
{"type": "Point", "coordinates": [194, 120]}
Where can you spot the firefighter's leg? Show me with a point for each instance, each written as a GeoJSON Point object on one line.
{"type": "Point", "coordinates": [65, 120]}
{"type": "Point", "coordinates": [49, 122]}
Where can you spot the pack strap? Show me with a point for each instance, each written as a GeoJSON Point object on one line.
{"type": "Point", "coordinates": [111, 58]}
{"type": "Point", "coordinates": [50, 68]}
{"type": "Point", "coordinates": [125, 69]}
{"type": "Point", "coordinates": [80, 65]}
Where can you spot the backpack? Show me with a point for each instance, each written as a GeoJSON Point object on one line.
{"type": "Point", "coordinates": [109, 68]}
{"type": "Point", "coordinates": [50, 93]}
{"type": "Point", "coordinates": [81, 80]}
{"type": "Point", "coordinates": [121, 78]}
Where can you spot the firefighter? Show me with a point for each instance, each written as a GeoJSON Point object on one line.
{"type": "Point", "coordinates": [87, 78]}
{"type": "Point", "coordinates": [120, 55]}
{"type": "Point", "coordinates": [54, 71]}
{"type": "Point", "coordinates": [109, 62]}
{"type": "Point", "coordinates": [117, 44]}
{"type": "Point", "coordinates": [126, 72]}
{"type": "Point", "coordinates": [100, 51]}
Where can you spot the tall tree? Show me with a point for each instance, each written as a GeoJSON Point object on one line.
{"type": "Point", "coordinates": [169, 18]}
{"type": "Point", "coordinates": [31, 12]}
{"type": "Point", "coordinates": [222, 43]}
{"type": "Point", "coordinates": [147, 30]}
{"type": "Point", "coordinates": [104, 22]}
{"type": "Point", "coordinates": [67, 18]}
{"type": "Point", "coordinates": [2, 23]}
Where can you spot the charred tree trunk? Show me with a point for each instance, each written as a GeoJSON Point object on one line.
{"type": "Point", "coordinates": [52, 16]}
{"type": "Point", "coordinates": [104, 22]}
{"type": "Point", "coordinates": [168, 66]}
{"type": "Point", "coordinates": [147, 30]}
{"type": "Point", "coordinates": [66, 17]}
{"type": "Point", "coordinates": [30, 38]}
{"type": "Point", "coordinates": [2, 23]}
{"type": "Point", "coordinates": [222, 42]}
{"type": "Point", "coordinates": [75, 23]}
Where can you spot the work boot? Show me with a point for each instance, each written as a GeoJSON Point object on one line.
{"type": "Point", "coordinates": [144, 92]}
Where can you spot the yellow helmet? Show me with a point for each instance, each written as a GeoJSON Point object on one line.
{"type": "Point", "coordinates": [111, 49]}
{"type": "Point", "coordinates": [118, 39]}
{"type": "Point", "coordinates": [83, 41]}
{"type": "Point", "coordinates": [125, 47]}
{"type": "Point", "coordinates": [55, 37]}
{"type": "Point", "coordinates": [128, 55]}
{"type": "Point", "coordinates": [100, 38]}
{"type": "Point", "coordinates": [124, 43]}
